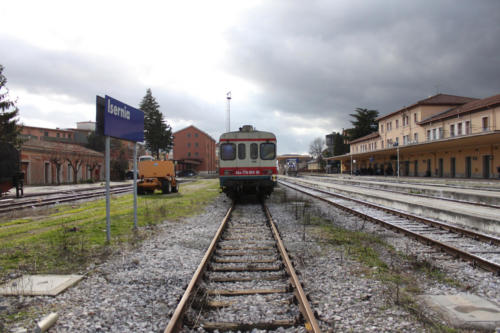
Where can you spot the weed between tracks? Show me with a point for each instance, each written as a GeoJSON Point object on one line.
{"type": "Point", "coordinates": [71, 236]}
{"type": "Point", "coordinates": [398, 271]}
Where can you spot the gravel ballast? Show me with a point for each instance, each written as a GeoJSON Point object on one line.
{"type": "Point", "coordinates": [138, 289]}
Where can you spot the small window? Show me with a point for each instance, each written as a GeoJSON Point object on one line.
{"type": "Point", "coordinates": [195, 135]}
{"type": "Point", "coordinates": [254, 151]}
{"type": "Point", "coordinates": [267, 151]}
{"type": "Point", "coordinates": [58, 135]}
{"type": "Point", "coordinates": [382, 128]}
{"type": "Point", "coordinates": [189, 154]}
{"type": "Point", "coordinates": [241, 151]}
{"type": "Point", "coordinates": [228, 151]}
{"type": "Point", "coordinates": [196, 144]}
{"type": "Point", "coordinates": [46, 134]}
{"type": "Point", "coordinates": [486, 125]}
{"type": "Point", "coordinates": [189, 135]}
{"type": "Point", "coordinates": [189, 144]}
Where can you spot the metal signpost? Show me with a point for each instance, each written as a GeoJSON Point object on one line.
{"type": "Point", "coordinates": [119, 120]}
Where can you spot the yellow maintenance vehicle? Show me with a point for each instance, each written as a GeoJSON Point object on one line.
{"type": "Point", "coordinates": [157, 175]}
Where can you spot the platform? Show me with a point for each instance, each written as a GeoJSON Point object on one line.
{"type": "Point", "coordinates": [465, 311]}
{"type": "Point", "coordinates": [484, 219]}
{"type": "Point", "coordinates": [36, 285]}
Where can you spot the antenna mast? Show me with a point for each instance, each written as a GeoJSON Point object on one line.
{"type": "Point", "coordinates": [228, 124]}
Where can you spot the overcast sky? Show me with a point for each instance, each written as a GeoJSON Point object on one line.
{"type": "Point", "coordinates": [296, 68]}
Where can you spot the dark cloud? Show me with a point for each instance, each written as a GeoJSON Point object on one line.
{"type": "Point", "coordinates": [325, 58]}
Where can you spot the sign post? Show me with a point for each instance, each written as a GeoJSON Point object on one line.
{"type": "Point", "coordinates": [119, 120]}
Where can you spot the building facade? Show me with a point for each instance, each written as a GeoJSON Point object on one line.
{"type": "Point", "coordinates": [441, 136]}
{"type": "Point", "coordinates": [194, 150]}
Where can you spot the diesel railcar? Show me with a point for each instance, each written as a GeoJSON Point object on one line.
{"type": "Point", "coordinates": [10, 174]}
{"type": "Point", "coordinates": [247, 162]}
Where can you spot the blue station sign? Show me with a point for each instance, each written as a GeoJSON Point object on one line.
{"type": "Point", "coordinates": [123, 121]}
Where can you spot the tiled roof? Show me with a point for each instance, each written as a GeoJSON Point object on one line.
{"type": "Point", "coordinates": [365, 138]}
{"type": "Point", "coordinates": [196, 128]}
{"type": "Point", "coordinates": [439, 99]}
{"type": "Point", "coordinates": [475, 105]}
{"type": "Point", "coordinates": [61, 147]}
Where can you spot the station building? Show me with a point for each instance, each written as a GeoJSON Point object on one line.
{"type": "Point", "coordinates": [194, 150]}
{"type": "Point", "coordinates": [53, 156]}
{"type": "Point", "coordinates": [440, 136]}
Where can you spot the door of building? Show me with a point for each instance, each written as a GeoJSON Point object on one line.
{"type": "Point", "coordinates": [407, 168]}
{"type": "Point", "coordinates": [440, 167]}
{"type": "Point", "coordinates": [468, 167]}
{"type": "Point", "coordinates": [415, 168]}
{"type": "Point", "coordinates": [47, 173]}
{"type": "Point", "coordinates": [452, 167]}
{"type": "Point", "coordinates": [486, 166]}
{"type": "Point", "coordinates": [428, 172]}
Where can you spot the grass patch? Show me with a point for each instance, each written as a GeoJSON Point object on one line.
{"type": "Point", "coordinates": [71, 237]}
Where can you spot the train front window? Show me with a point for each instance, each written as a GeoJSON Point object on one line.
{"type": "Point", "coordinates": [241, 151]}
{"type": "Point", "coordinates": [254, 151]}
{"type": "Point", "coordinates": [267, 151]}
{"type": "Point", "coordinates": [228, 151]}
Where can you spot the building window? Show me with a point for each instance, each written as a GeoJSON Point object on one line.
{"type": "Point", "coordinates": [434, 134]}
{"type": "Point", "coordinates": [397, 123]}
{"type": "Point", "coordinates": [459, 129]}
{"type": "Point", "coordinates": [69, 136]}
{"type": "Point", "coordinates": [467, 127]}
{"type": "Point", "coordinates": [196, 144]}
{"type": "Point", "coordinates": [441, 133]}
{"type": "Point", "coordinates": [382, 128]}
{"type": "Point", "coordinates": [195, 135]}
{"type": "Point", "coordinates": [45, 133]}
{"type": "Point", "coordinates": [415, 117]}
{"type": "Point", "coordinates": [452, 130]}
{"type": "Point", "coordinates": [486, 126]}
{"type": "Point", "coordinates": [189, 154]}
{"type": "Point", "coordinates": [428, 135]}
{"type": "Point", "coordinates": [415, 137]}
{"type": "Point", "coordinates": [405, 120]}
{"type": "Point", "coordinates": [58, 135]}
{"type": "Point", "coordinates": [406, 139]}
{"type": "Point", "coordinates": [397, 141]}
{"type": "Point", "coordinates": [189, 144]}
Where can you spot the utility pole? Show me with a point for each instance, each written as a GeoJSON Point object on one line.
{"type": "Point", "coordinates": [228, 125]}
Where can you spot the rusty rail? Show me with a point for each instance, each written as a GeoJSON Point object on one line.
{"type": "Point", "coordinates": [175, 323]}
{"type": "Point", "coordinates": [475, 260]}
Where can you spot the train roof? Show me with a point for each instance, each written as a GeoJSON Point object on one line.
{"type": "Point", "coordinates": [247, 132]}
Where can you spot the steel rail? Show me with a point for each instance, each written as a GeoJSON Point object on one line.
{"type": "Point", "coordinates": [475, 260]}
{"type": "Point", "coordinates": [470, 233]}
{"type": "Point", "coordinates": [304, 306]}
{"type": "Point", "coordinates": [175, 323]}
{"type": "Point", "coordinates": [49, 201]}
{"type": "Point", "coordinates": [417, 195]}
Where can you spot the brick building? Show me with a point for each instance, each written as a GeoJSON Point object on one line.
{"type": "Point", "coordinates": [195, 150]}
{"type": "Point", "coordinates": [52, 156]}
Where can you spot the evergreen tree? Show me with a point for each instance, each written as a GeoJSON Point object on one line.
{"type": "Point", "coordinates": [9, 127]}
{"type": "Point", "coordinates": [364, 123]}
{"type": "Point", "coordinates": [157, 132]}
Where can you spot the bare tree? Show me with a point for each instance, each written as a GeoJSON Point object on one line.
{"type": "Point", "coordinates": [316, 148]}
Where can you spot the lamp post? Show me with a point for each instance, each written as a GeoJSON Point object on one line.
{"type": "Point", "coordinates": [228, 125]}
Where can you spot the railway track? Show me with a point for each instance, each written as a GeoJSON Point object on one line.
{"type": "Point", "coordinates": [479, 249]}
{"type": "Point", "coordinates": [245, 281]}
{"type": "Point", "coordinates": [9, 205]}
{"type": "Point", "coordinates": [414, 194]}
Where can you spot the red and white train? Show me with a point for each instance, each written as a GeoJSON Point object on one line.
{"type": "Point", "coordinates": [247, 162]}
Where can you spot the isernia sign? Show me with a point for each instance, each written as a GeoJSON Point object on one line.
{"type": "Point", "coordinates": [123, 121]}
